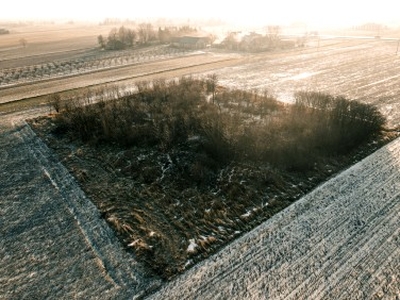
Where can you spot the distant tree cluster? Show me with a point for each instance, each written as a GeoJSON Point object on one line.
{"type": "Point", "coordinates": [371, 27]}
{"type": "Point", "coordinates": [117, 21]}
{"type": "Point", "coordinates": [144, 33]}
{"type": "Point", "coordinates": [122, 38]}
{"type": "Point", "coordinates": [118, 39]}
{"type": "Point", "coordinates": [167, 34]}
{"type": "Point", "coordinates": [4, 31]}
{"type": "Point", "coordinates": [254, 42]}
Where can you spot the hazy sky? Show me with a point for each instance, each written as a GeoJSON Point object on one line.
{"type": "Point", "coordinates": [245, 11]}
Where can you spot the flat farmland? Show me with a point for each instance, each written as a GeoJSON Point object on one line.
{"type": "Point", "coordinates": [340, 241]}
{"type": "Point", "coordinates": [122, 75]}
{"type": "Point", "coordinates": [363, 69]}
{"type": "Point", "coordinates": [46, 40]}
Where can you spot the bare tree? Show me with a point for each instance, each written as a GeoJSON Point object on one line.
{"type": "Point", "coordinates": [212, 83]}
{"type": "Point", "coordinates": [113, 42]}
{"type": "Point", "coordinates": [126, 36]}
{"type": "Point", "coordinates": [212, 38]}
{"type": "Point", "coordinates": [145, 33]}
{"type": "Point", "coordinates": [230, 41]}
{"type": "Point", "coordinates": [164, 35]}
{"type": "Point", "coordinates": [101, 41]}
{"type": "Point", "coordinates": [273, 32]}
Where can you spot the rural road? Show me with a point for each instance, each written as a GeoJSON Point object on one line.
{"type": "Point", "coordinates": [53, 242]}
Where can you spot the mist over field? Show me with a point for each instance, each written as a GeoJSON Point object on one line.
{"type": "Point", "coordinates": [314, 13]}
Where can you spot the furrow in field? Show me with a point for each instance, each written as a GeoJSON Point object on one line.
{"type": "Point", "coordinates": [357, 251]}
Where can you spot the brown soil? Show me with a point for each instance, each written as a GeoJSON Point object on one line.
{"type": "Point", "coordinates": [159, 211]}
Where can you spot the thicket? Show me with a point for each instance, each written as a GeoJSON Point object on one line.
{"type": "Point", "coordinates": [144, 33]}
{"type": "Point", "coordinates": [118, 39]}
{"type": "Point", "coordinates": [4, 31]}
{"type": "Point", "coordinates": [220, 125]}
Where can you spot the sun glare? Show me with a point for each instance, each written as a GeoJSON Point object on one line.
{"type": "Point", "coordinates": [338, 12]}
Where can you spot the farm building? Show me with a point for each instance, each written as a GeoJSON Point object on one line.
{"type": "Point", "coordinates": [191, 42]}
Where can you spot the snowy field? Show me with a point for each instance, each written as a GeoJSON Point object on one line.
{"type": "Point", "coordinates": [366, 70]}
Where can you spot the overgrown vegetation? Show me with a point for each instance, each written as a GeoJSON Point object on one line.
{"type": "Point", "coordinates": [231, 125]}
{"type": "Point", "coordinates": [180, 167]}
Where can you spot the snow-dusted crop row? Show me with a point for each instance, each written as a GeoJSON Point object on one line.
{"type": "Point", "coordinates": [99, 61]}
{"type": "Point", "coordinates": [342, 241]}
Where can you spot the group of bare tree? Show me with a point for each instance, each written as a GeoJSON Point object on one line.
{"type": "Point", "coordinates": [122, 37]}
{"type": "Point", "coordinates": [255, 41]}
{"type": "Point", "coordinates": [118, 39]}
{"type": "Point", "coordinates": [4, 31]}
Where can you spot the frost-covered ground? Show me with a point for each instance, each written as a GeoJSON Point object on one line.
{"type": "Point", "coordinates": [342, 241]}
{"type": "Point", "coordinates": [367, 70]}
{"type": "Point", "coordinates": [53, 242]}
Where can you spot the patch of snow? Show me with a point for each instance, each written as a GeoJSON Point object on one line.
{"type": "Point", "coordinates": [246, 215]}
{"type": "Point", "coordinates": [302, 75]}
{"type": "Point", "coordinates": [141, 157]}
{"type": "Point", "coordinates": [188, 263]}
{"type": "Point", "coordinates": [192, 246]}
{"type": "Point", "coordinates": [134, 243]}
{"type": "Point", "coordinates": [221, 228]}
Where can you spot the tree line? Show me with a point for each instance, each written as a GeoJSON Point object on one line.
{"type": "Point", "coordinates": [4, 31]}
{"type": "Point", "coordinates": [145, 33]}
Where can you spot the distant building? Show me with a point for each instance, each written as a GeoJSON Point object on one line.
{"type": "Point", "coordinates": [191, 42]}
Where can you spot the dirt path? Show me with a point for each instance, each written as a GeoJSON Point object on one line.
{"type": "Point", "coordinates": [53, 242]}
{"type": "Point", "coordinates": [339, 242]}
